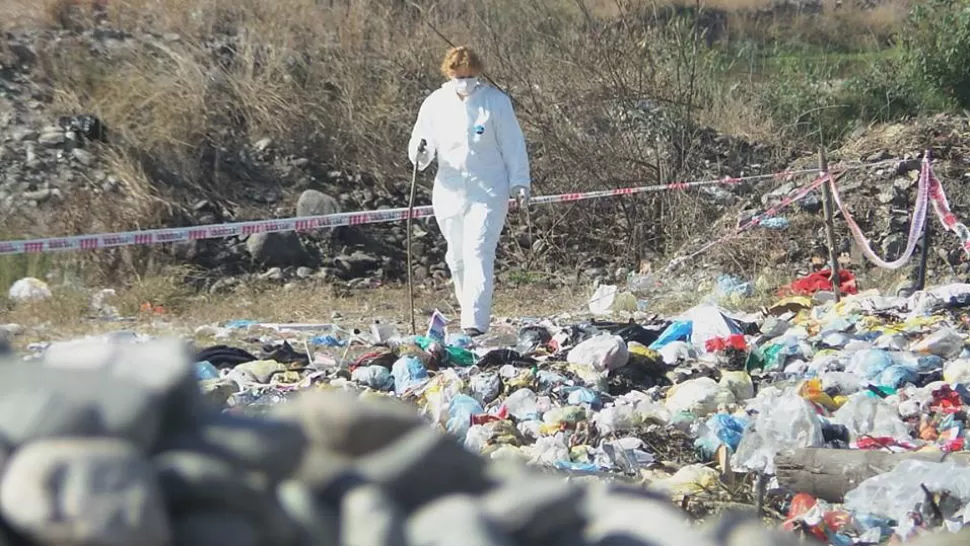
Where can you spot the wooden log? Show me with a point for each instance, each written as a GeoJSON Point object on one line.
{"type": "Point", "coordinates": [828, 474]}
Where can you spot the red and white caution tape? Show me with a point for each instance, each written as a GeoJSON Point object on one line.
{"type": "Point", "coordinates": [309, 223]}
{"type": "Point", "coordinates": [754, 222]}
{"type": "Point", "coordinates": [929, 190]}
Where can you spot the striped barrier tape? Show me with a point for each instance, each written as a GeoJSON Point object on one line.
{"type": "Point", "coordinates": [309, 223]}
{"type": "Point", "coordinates": [754, 222]}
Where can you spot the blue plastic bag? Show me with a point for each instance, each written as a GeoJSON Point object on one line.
{"type": "Point", "coordinates": [722, 429]}
{"type": "Point", "coordinates": [408, 372]}
{"type": "Point", "coordinates": [896, 376]}
{"type": "Point", "coordinates": [870, 363]}
{"type": "Point", "coordinates": [677, 331]}
{"type": "Point", "coordinates": [460, 413]}
{"type": "Point", "coordinates": [582, 395]}
{"type": "Point", "coordinates": [327, 341]}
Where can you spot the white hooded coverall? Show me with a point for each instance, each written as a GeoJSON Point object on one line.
{"type": "Point", "coordinates": [481, 156]}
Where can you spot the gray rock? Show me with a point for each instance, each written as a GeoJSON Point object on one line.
{"type": "Point", "coordinates": [191, 479]}
{"type": "Point", "coordinates": [304, 272]}
{"type": "Point", "coordinates": [272, 274]}
{"type": "Point", "coordinates": [737, 528]}
{"type": "Point", "coordinates": [263, 144]}
{"type": "Point", "coordinates": [893, 246]}
{"type": "Point", "coordinates": [273, 448]}
{"type": "Point", "coordinates": [621, 519]}
{"type": "Point", "coordinates": [455, 519]}
{"type": "Point", "coordinates": [52, 138]}
{"type": "Point", "coordinates": [340, 423]}
{"type": "Point", "coordinates": [369, 517]}
{"type": "Point", "coordinates": [38, 402]}
{"type": "Point", "coordinates": [277, 249]}
{"type": "Point", "coordinates": [886, 196]}
{"type": "Point", "coordinates": [195, 481]}
{"type": "Point", "coordinates": [318, 525]}
{"type": "Point", "coordinates": [97, 491]}
{"type": "Point", "coordinates": [423, 465]}
{"type": "Point", "coordinates": [316, 203]}
{"type": "Point", "coordinates": [357, 264]}
{"type": "Point", "coordinates": [213, 527]}
{"type": "Point", "coordinates": [535, 508]}
{"type": "Point", "coordinates": [83, 156]}
{"type": "Point", "coordinates": [163, 367]}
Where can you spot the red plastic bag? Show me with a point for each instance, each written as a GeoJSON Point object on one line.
{"type": "Point", "coordinates": [734, 341]}
{"type": "Point", "coordinates": [818, 281]}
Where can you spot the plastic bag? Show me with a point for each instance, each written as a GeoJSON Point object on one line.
{"type": "Point", "coordinates": [945, 343]}
{"type": "Point", "coordinates": [460, 412]}
{"type": "Point", "coordinates": [720, 429]}
{"type": "Point", "coordinates": [523, 405]}
{"type": "Point", "coordinates": [485, 387]}
{"type": "Point", "coordinates": [617, 418]}
{"type": "Point", "coordinates": [677, 331]}
{"type": "Point", "coordinates": [688, 481]}
{"type": "Point", "coordinates": [957, 371]}
{"type": "Point", "coordinates": [205, 370]}
{"type": "Point", "coordinates": [676, 351]}
{"type": "Point", "coordinates": [739, 383]}
{"type": "Point", "coordinates": [29, 289]}
{"type": "Point", "coordinates": [788, 422]}
{"type": "Point", "coordinates": [700, 396]}
{"type": "Point", "coordinates": [896, 376]}
{"type": "Point", "coordinates": [548, 450]}
{"type": "Point", "coordinates": [581, 395]}
{"type": "Point", "coordinates": [601, 353]}
{"type": "Point", "coordinates": [375, 376]}
{"type": "Point", "coordinates": [865, 415]}
{"type": "Point", "coordinates": [408, 373]}
{"type": "Point", "coordinates": [869, 363]}
{"type": "Point", "coordinates": [896, 493]}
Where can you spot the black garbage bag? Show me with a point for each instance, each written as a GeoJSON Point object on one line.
{"type": "Point", "coordinates": [501, 357]}
{"type": "Point", "coordinates": [285, 354]}
{"type": "Point", "coordinates": [532, 338]}
{"type": "Point", "coordinates": [224, 356]}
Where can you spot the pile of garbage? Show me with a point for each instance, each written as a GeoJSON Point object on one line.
{"type": "Point", "coordinates": [109, 441]}
{"type": "Point", "coordinates": [843, 420]}
{"type": "Point", "coordinates": [689, 406]}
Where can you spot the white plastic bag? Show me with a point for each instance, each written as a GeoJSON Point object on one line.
{"type": "Point", "coordinates": [601, 353]}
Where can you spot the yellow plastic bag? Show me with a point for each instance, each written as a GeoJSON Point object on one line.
{"type": "Point", "coordinates": [811, 390]}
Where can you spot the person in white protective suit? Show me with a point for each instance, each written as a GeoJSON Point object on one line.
{"type": "Point", "coordinates": [470, 127]}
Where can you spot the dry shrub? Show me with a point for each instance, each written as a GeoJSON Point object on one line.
{"type": "Point", "coordinates": [608, 97]}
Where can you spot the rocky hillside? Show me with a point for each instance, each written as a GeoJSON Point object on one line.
{"type": "Point", "coordinates": [72, 163]}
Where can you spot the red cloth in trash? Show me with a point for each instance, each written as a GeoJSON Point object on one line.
{"type": "Point", "coordinates": [820, 280]}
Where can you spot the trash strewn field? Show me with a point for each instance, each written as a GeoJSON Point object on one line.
{"type": "Point", "coordinates": [840, 421]}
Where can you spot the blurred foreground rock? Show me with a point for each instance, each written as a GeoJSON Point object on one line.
{"type": "Point", "coordinates": [107, 442]}
{"type": "Point", "coordinates": [113, 443]}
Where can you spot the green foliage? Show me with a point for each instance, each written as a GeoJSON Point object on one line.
{"type": "Point", "coordinates": [936, 45]}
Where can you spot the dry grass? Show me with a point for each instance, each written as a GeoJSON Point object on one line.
{"type": "Point", "coordinates": [68, 313]}
{"type": "Point", "coordinates": [338, 82]}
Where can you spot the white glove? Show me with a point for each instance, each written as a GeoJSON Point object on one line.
{"type": "Point", "coordinates": [521, 195]}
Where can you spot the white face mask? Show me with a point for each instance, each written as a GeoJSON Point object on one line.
{"type": "Point", "coordinates": [465, 86]}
